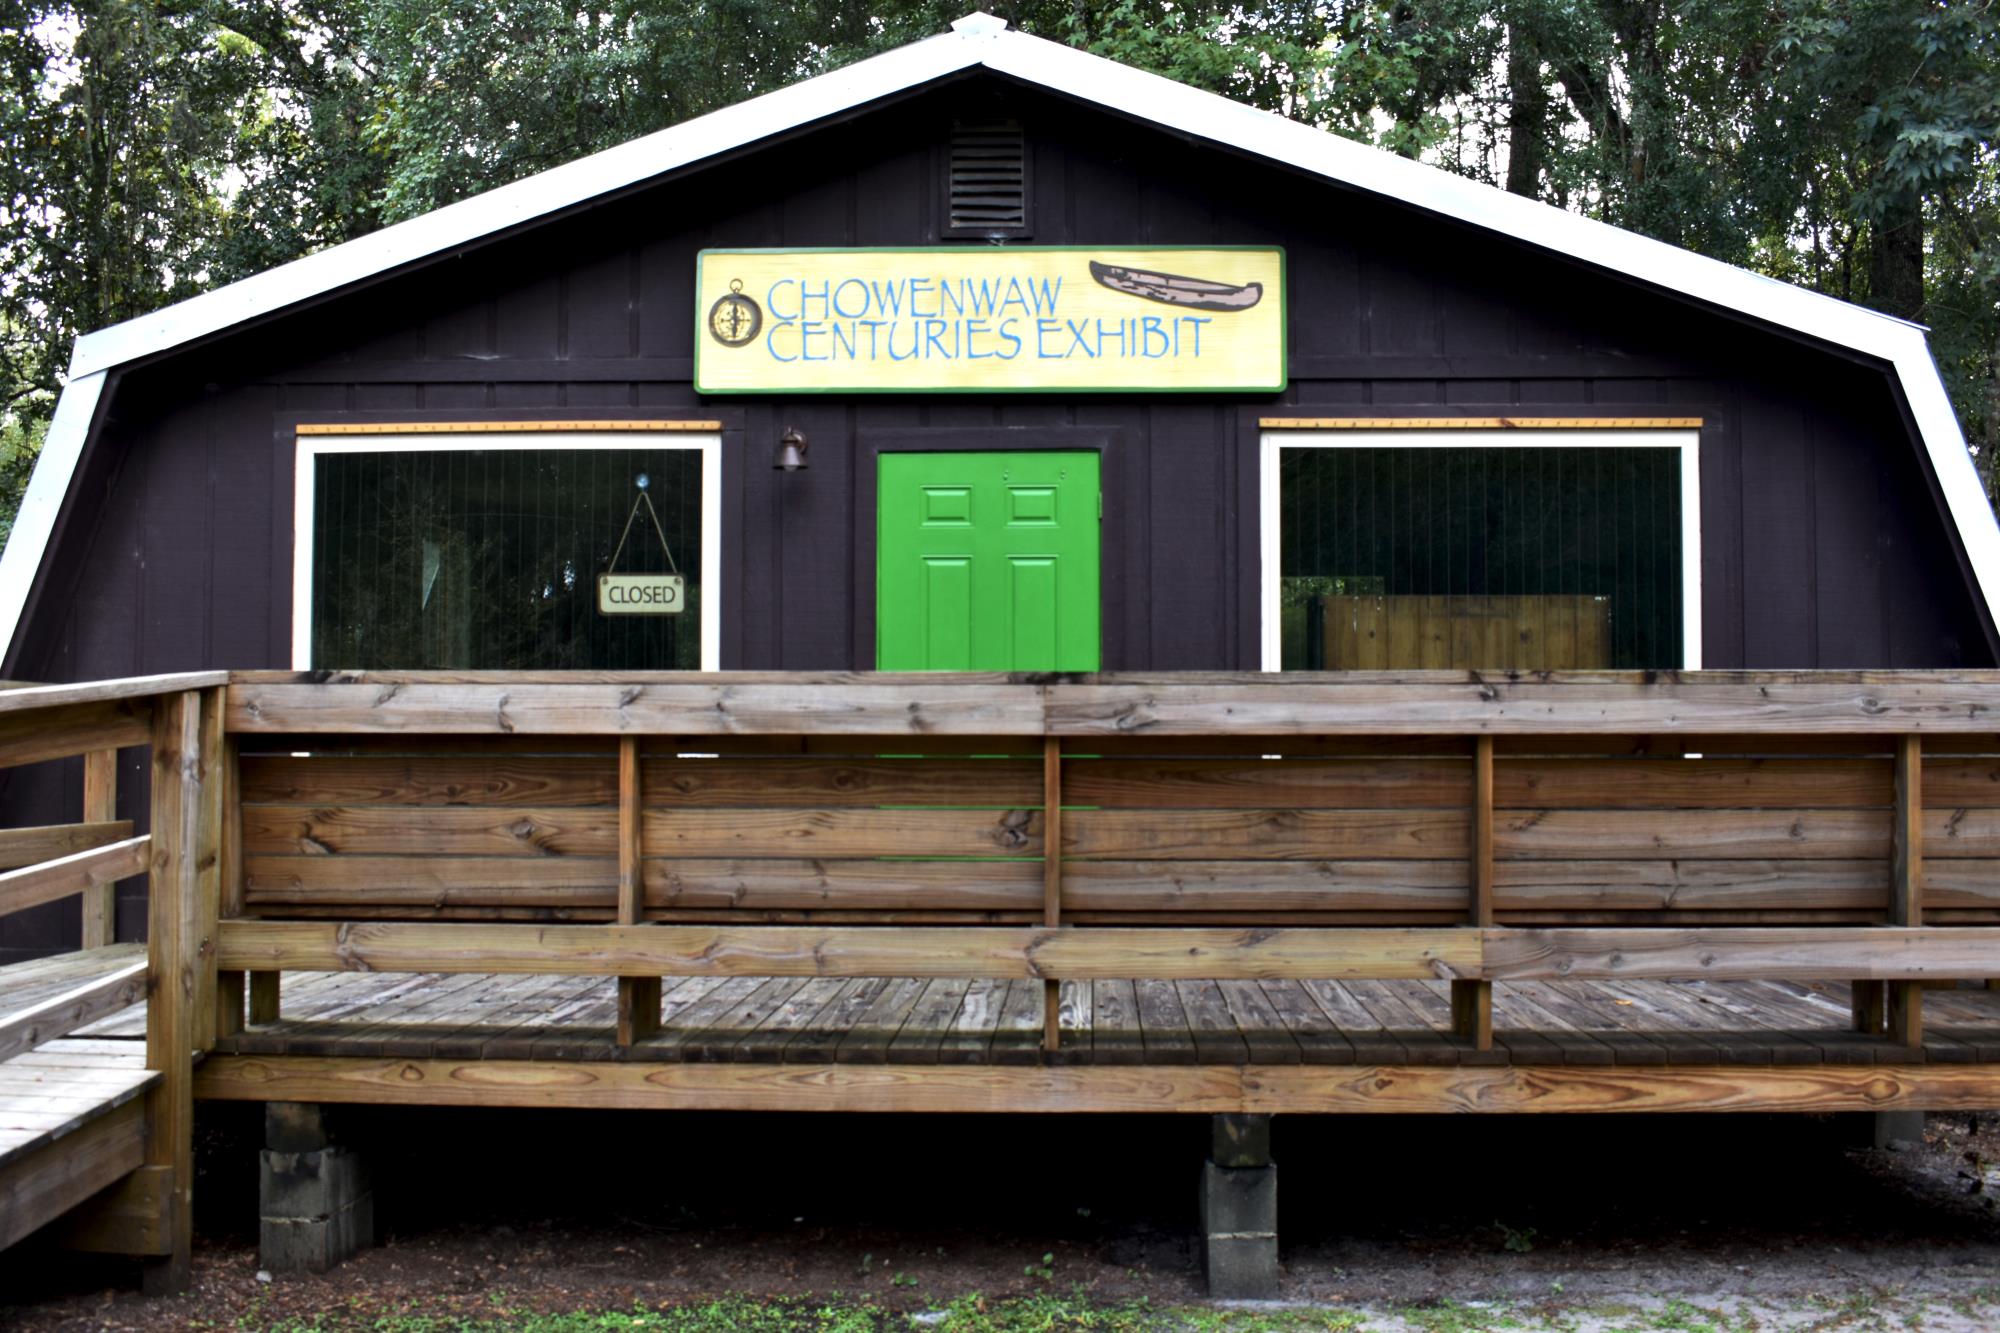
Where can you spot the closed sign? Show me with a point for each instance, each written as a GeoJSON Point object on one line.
{"type": "Point", "coordinates": [641, 594]}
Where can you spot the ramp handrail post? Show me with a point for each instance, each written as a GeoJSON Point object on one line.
{"type": "Point", "coordinates": [173, 952]}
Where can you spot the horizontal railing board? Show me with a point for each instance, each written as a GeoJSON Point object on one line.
{"type": "Point", "coordinates": [1216, 884]}
{"type": "Point", "coordinates": [1706, 783]}
{"type": "Point", "coordinates": [1519, 783]}
{"type": "Point", "coordinates": [466, 779]}
{"type": "Point", "coordinates": [1365, 1087]}
{"type": "Point", "coordinates": [1212, 835]}
{"type": "Point", "coordinates": [1689, 704]}
{"type": "Point", "coordinates": [1239, 746]}
{"type": "Point", "coordinates": [704, 883]}
{"type": "Point", "coordinates": [415, 911]}
{"type": "Point", "coordinates": [34, 698]}
{"type": "Point", "coordinates": [1379, 783]}
{"type": "Point", "coordinates": [1691, 834]}
{"type": "Point", "coordinates": [1426, 833]}
{"type": "Point", "coordinates": [362, 881]}
{"type": "Point", "coordinates": [592, 831]}
{"type": "Point", "coordinates": [913, 709]}
{"type": "Point", "coordinates": [1662, 884]}
{"type": "Point", "coordinates": [914, 706]}
{"type": "Point", "coordinates": [336, 830]}
{"type": "Point", "coordinates": [1742, 953]}
{"type": "Point", "coordinates": [81, 1005]}
{"type": "Point", "coordinates": [1110, 952]}
{"type": "Point", "coordinates": [764, 951]}
{"type": "Point", "coordinates": [30, 846]}
{"type": "Point", "coordinates": [483, 780]}
{"type": "Point", "coordinates": [51, 880]}
{"type": "Point", "coordinates": [60, 732]}
{"type": "Point", "coordinates": [1962, 883]}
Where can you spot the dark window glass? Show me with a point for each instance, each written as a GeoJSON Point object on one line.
{"type": "Point", "coordinates": [1504, 558]}
{"type": "Point", "coordinates": [488, 559]}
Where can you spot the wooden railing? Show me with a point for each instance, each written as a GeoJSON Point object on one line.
{"type": "Point", "coordinates": [180, 718]}
{"type": "Point", "coordinates": [1429, 825]}
{"type": "Point", "coordinates": [1426, 825]}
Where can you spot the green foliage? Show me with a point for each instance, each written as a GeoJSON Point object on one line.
{"type": "Point", "coordinates": [150, 149]}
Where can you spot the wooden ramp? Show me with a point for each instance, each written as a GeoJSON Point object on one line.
{"type": "Point", "coordinates": [72, 1118]}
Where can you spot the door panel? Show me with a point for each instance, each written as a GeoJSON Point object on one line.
{"type": "Point", "coordinates": [947, 613]}
{"type": "Point", "coordinates": [987, 562]}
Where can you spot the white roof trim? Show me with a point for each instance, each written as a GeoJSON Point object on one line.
{"type": "Point", "coordinates": [981, 40]}
{"type": "Point", "coordinates": [62, 447]}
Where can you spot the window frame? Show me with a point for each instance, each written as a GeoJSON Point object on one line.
{"type": "Point", "coordinates": [1687, 442]}
{"type": "Point", "coordinates": [498, 437]}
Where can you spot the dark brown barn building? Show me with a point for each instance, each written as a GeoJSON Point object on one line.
{"type": "Point", "coordinates": [1470, 431]}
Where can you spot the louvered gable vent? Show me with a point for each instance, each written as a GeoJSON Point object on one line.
{"type": "Point", "coordinates": [987, 193]}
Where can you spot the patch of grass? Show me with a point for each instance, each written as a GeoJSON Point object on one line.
{"type": "Point", "coordinates": [1453, 1317]}
{"type": "Point", "coordinates": [1044, 1313]}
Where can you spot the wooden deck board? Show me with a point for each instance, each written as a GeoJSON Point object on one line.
{"type": "Point", "coordinates": [927, 1021]}
{"type": "Point", "coordinates": [62, 1086]}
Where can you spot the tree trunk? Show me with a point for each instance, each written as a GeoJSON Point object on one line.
{"type": "Point", "coordinates": [1527, 114]}
{"type": "Point", "coordinates": [1896, 262]}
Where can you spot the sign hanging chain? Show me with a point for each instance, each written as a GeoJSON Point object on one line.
{"type": "Point", "coordinates": [654, 514]}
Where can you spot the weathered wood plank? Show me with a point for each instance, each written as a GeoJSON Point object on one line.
{"type": "Point", "coordinates": [671, 885]}
{"type": "Point", "coordinates": [970, 1038]}
{"type": "Point", "coordinates": [910, 707]}
{"type": "Point", "coordinates": [35, 698]}
{"type": "Point", "coordinates": [57, 733]}
{"type": "Point", "coordinates": [1723, 703]}
{"type": "Point", "coordinates": [1472, 1001]}
{"type": "Point", "coordinates": [132, 1217]}
{"type": "Point", "coordinates": [525, 831]}
{"type": "Point", "coordinates": [1286, 834]}
{"type": "Point", "coordinates": [1023, 952]}
{"type": "Point", "coordinates": [1282, 834]}
{"type": "Point", "coordinates": [207, 908]}
{"type": "Point", "coordinates": [21, 847]}
{"type": "Point", "coordinates": [1707, 783]}
{"type": "Point", "coordinates": [1052, 878]}
{"type": "Point", "coordinates": [1693, 885]}
{"type": "Point", "coordinates": [1204, 1089]}
{"type": "Point", "coordinates": [60, 1015]}
{"type": "Point", "coordinates": [558, 781]}
{"type": "Point", "coordinates": [1253, 784]}
{"type": "Point", "coordinates": [1696, 834]}
{"type": "Point", "coordinates": [40, 1185]}
{"type": "Point", "coordinates": [173, 927]}
{"type": "Point", "coordinates": [100, 806]}
{"type": "Point", "coordinates": [77, 872]}
{"type": "Point", "coordinates": [1750, 953]}
{"type": "Point", "coordinates": [638, 997]}
{"type": "Point", "coordinates": [1321, 884]}
{"type": "Point", "coordinates": [1906, 881]}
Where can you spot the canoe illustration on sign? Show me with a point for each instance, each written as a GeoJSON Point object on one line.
{"type": "Point", "coordinates": [1174, 289]}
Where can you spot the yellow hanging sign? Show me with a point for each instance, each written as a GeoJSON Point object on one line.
{"type": "Point", "coordinates": [991, 319]}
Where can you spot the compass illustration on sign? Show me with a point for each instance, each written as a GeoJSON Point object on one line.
{"type": "Point", "coordinates": [734, 319]}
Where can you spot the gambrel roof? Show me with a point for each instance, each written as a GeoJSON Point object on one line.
{"type": "Point", "coordinates": [981, 41]}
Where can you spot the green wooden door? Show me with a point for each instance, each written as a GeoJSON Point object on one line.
{"type": "Point", "coordinates": [987, 562]}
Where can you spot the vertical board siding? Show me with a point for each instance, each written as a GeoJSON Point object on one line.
{"type": "Point", "coordinates": [1812, 525]}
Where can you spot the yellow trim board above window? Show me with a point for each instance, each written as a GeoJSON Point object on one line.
{"type": "Point", "coordinates": [496, 427]}
{"type": "Point", "coordinates": [1479, 423]}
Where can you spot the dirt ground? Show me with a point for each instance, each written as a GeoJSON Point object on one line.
{"type": "Point", "coordinates": [568, 1211]}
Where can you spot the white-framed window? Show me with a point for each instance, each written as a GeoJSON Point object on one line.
{"type": "Point", "coordinates": [483, 550]}
{"type": "Point", "coordinates": [1480, 549]}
